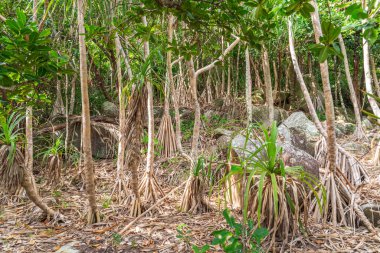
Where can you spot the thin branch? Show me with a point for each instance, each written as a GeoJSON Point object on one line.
{"type": "Point", "coordinates": [211, 65]}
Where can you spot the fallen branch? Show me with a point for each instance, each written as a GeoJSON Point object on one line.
{"type": "Point", "coordinates": [124, 231]}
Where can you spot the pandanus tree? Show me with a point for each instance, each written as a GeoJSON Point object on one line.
{"type": "Point", "coordinates": [29, 62]}
{"type": "Point", "coordinates": [93, 213]}
{"type": "Point", "coordinates": [190, 199]}
{"type": "Point", "coordinates": [166, 135]}
{"type": "Point", "coordinates": [149, 186]}
{"type": "Point", "coordinates": [338, 192]}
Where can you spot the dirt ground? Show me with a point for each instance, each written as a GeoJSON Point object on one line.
{"type": "Point", "coordinates": [21, 229]}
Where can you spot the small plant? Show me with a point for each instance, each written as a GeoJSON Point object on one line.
{"type": "Point", "coordinates": [183, 233]}
{"type": "Point", "coordinates": [11, 158]}
{"type": "Point", "coordinates": [57, 194]}
{"type": "Point", "coordinates": [237, 238]}
{"type": "Point", "coordinates": [116, 239]}
{"type": "Point", "coordinates": [187, 129]}
{"type": "Point", "coordinates": [53, 160]}
{"type": "Point", "coordinates": [275, 195]}
{"type": "Point", "coordinates": [107, 203]}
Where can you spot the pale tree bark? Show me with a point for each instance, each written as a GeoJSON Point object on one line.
{"type": "Point", "coordinates": [359, 128]}
{"type": "Point", "coordinates": [29, 123]}
{"type": "Point", "coordinates": [93, 214]}
{"type": "Point", "coordinates": [340, 96]}
{"type": "Point", "coordinates": [177, 116]}
{"type": "Point", "coordinates": [276, 81]}
{"type": "Point", "coordinates": [367, 74]}
{"type": "Point", "coordinates": [58, 108]}
{"type": "Point", "coordinates": [268, 85]}
{"type": "Point", "coordinates": [120, 184]}
{"type": "Point", "coordinates": [150, 153]}
{"type": "Point", "coordinates": [166, 135]}
{"type": "Point", "coordinates": [368, 82]}
{"type": "Point", "coordinates": [193, 76]}
{"type": "Point", "coordinates": [329, 104]}
{"type": "Point", "coordinates": [149, 186]}
{"type": "Point", "coordinates": [374, 75]}
{"type": "Point", "coordinates": [72, 95]}
{"type": "Point", "coordinates": [331, 179]}
{"type": "Point", "coordinates": [248, 86]}
{"type": "Point", "coordinates": [222, 90]}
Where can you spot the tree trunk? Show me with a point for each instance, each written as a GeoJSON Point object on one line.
{"type": "Point", "coordinates": [374, 75]}
{"type": "Point", "coordinates": [248, 86]}
{"type": "Point", "coordinates": [329, 105]}
{"type": "Point", "coordinates": [276, 84]}
{"type": "Point", "coordinates": [166, 135]}
{"type": "Point", "coordinates": [72, 95]}
{"type": "Point", "coordinates": [197, 108]}
{"type": "Point", "coordinates": [93, 215]}
{"type": "Point", "coordinates": [353, 97]}
{"type": "Point", "coordinates": [150, 152]}
{"type": "Point", "coordinates": [222, 90]}
{"type": "Point", "coordinates": [122, 123]}
{"type": "Point", "coordinates": [268, 85]}
{"type": "Point", "coordinates": [357, 69]}
{"type": "Point", "coordinates": [367, 74]}
{"type": "Point", "coordinates": [28, 185]}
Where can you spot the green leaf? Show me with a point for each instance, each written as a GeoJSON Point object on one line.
{"type": "Point", "coordinates": [21, 18]}
{"type": "Point", "coordinates": [324, 53]}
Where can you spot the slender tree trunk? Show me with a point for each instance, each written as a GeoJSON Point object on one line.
{"type": "Point", "coordinates": [29, 123]}
{"type": "Point", "coordinates": [72, 95]}
{"type": "Point", "coordinates": [197, 108]}
{"type": "Point", "coordinates": [268, 85]}
{"type": "Point", "coordinates": [166, 135]}
{"type": "Point", "coordinates": [314, 90]}
{"type": "Point", "coordinates": [150, 152]}
{"type": "Point", "coordinates": [374, 75]}
{"type": "Point", "coordinates": [175, 99]}
{"type": "Point", "coordinates": [122, 122]}
{"type": "Point", "coordinates": [329, 105]}
{"type": "Point", "coordinates": [367, 74]}
{"type": "Point", "coordinates": [357, 69]}
{"type": "Point", "coordinates": [276, 82]}
{"type": "Point", "coordinates": [229, 79]}
{"type": "Point", "coordinates": [29, 186]}
{"type": "Point", "coordinates": [359, 129]}
{"type": "Point", "coordinates": [58, 108]}
{"type": "Point", "coordinates": [93, 215]}
{"type": "Point", "coordinates": [248, 86]}
{"type": "Point", "coordinates": [222, 72]}
{"type": "Point", "coordinates": [67, 135]}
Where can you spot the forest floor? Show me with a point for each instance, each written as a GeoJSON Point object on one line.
{"type": "Point", "coordinates": [21, 229]}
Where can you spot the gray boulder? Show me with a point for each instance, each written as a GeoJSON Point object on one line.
{"type": "Point", "coordinates": [367, 124]}
{"type": "Point", "coordinates": [103, 140]}
{"type": "Point", "coordinates": [260, 114]}
{"type": "Point", "coordinates": [109, 109]}
{"type": "Point", "coordinates": [345, 127]}
{"type": "Point", "coordinates": [243, 148]}
{"type": "Point", "coordinates": [300, 132]}
{"type": "Point", "coordinates": [372, 212]}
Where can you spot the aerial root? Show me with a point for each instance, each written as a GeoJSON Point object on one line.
{"type": "Point", "coordinates": [93, 216]}
{"type": "Point", "coordinates": [166, 136]}
{"type": "Point", "coordinates": [121, 190]}
{"type": "Point", "coordinates": [192, 198]}
{"type": "Point", "coordinates": [149, 187]}
{"type": "Point", "coordinates": [136, 207]}
{"type": "Point", "coordinates": [352, 168]}
{"type": "Point", "coordinates": [341, 206]}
